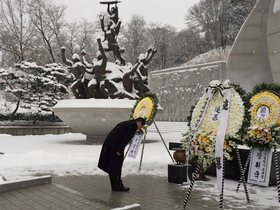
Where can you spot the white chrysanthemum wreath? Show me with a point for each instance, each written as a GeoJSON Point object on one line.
{"type": "Point", "coordinates": [202, 137]}
{"type": "Point", "coordinates": [210, 120]}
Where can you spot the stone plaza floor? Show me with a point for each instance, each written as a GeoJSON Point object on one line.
{"type": "Point", "coordinates": [94, 192]}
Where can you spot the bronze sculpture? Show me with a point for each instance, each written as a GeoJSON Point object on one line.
{"type": "Point", "coordinates": [110, 35]}
{"type": "Point", "coordinates": [77, 69]}
{"type": "Point", "coordinates": [102, 79]}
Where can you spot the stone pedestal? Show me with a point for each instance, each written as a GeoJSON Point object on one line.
{"type": "Point", "coordinates": [94, 117]}
{"type": "Point", "coordinates": [178, 173]}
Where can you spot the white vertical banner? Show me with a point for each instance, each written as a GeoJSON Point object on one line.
{"type": "Point", "coordinates": [221, 132]}
{"type": "Point", "coordinates": [135, 145]}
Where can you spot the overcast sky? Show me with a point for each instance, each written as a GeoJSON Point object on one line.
{"type": "Point", "coordinates": [160, 11]}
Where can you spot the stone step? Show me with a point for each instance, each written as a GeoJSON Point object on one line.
{"type": "Point", "coordinates": [8, 186]}
{"type": "Point", "coordinates": [35, 130]}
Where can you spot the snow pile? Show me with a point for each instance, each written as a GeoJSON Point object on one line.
{"type": "Point", "coordinates": [211, 56]}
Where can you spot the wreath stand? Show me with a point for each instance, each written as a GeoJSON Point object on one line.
{"type": "Point", "coordinates": [143, 146]}
{"type": "Point", "coordinates": [242, 178]}
{"type": "Point", "coordinates": [221, 197]}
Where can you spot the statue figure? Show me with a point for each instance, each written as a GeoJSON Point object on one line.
{"type": "Point", "coordinates": [77, 69]}
{"type": "Point", "coordinates": [88, 75]}
{"type": "Point", "coordinates": [96, 86]}
{"type": "Point", "coordinates": [137, 77]}
{"type": "Point", "coordinates": [92, 76]}
{"type": "Point", "coordinates": [145, 58]}
{"type": "Point", "coordinates": [110, 35]}
{"type": "Point", "coordinates": [113, 12]}
{"type": "Point", "coordinates": [112, 30]}
{"type": "Point", "coordinates": [141, 80]}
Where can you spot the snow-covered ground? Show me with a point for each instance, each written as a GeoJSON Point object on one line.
{"type": "Point", "coordinates": [67, 154]}
{"type": "Point", "coordinates": [210, 56]}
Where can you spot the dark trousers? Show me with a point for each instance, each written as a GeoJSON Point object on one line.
{"type": "Point", "coordinates": [115, 171]}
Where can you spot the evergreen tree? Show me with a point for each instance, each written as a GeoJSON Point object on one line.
{"type": "Point", "coordinates": [37, 87]}
{"type": "Point", "coordinates": [15, 84]}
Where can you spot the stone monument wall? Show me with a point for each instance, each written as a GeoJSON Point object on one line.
{"type": "Point", "coordinates": [180, 88]}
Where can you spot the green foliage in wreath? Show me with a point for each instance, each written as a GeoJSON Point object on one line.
{"type": "Point", "coordinates": [154, 99]}
{"type": "Point", "coordinates": [189, 117]}
{"type": "Point", "coordinates": [247, 116]}
{"type": "Point", "coordinates": [271, 87]}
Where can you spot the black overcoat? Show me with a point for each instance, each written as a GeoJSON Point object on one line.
{"type": "Point", "coordinates": [116, 140]}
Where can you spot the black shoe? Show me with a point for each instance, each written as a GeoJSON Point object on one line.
{"type": "Point", "coordinates": [121, 189]}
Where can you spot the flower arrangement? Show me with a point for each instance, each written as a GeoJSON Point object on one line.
{"type": "Point", "coordinates": [203, 140]}
{"type": "Point", "coordinates": [146, 107]}
{"type": "Point", "coordinates": [263, 132]}
{"type": "Point", "coordinates": [263, 136]}
{"type": "Point", "coordinates": [211, 116]}
{"type": "Point", "coordinates": [265, 106]}
{"type": "Point", "coordinates": [202, 147]}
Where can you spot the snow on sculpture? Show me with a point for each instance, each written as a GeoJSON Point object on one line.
{"type": "Point", "coordinates": [103, 79]}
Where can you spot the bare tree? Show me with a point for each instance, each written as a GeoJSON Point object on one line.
{"type": "Point", "coordinates": [71, 37]}
{"type": "Point", "coordinates": [87, 37]}
{"type": "Point", "coordinates": [17, 30]}
{"type": "Point", "coordinates": [161, 37]}
{"type": "Point", "coordinates": [186, 45]}
{"type": "Point", "coordinates": [219, 20]}
{"type": "Point", "coordinates": [239, 10]}
{"type": "Point", "coordinates": [56, 21]}
{"type": "Point", "coordinates": [134, 38]}
{"type": "Point", "coordinates": [206, 14]}
{"type": "Point", "coordinates": [35, 30]}
{"type": "Point", "coordinates": [48, 19]}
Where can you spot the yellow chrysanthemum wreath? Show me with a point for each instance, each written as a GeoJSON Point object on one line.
{"type": "Point", "coordinates": [146, 107]}
{"type": "Point", "coordinates": [266, 108]}
{"type": "Point", "coordinates": [264, 132]}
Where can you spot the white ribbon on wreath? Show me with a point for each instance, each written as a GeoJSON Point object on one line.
{"type": "Point", "coordinates": [224, 90]}
{"type": "Point", "coordinates": [220, 137]}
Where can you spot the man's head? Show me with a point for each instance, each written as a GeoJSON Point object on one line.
{"type": "Point", "coordinates": [140, 122]}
